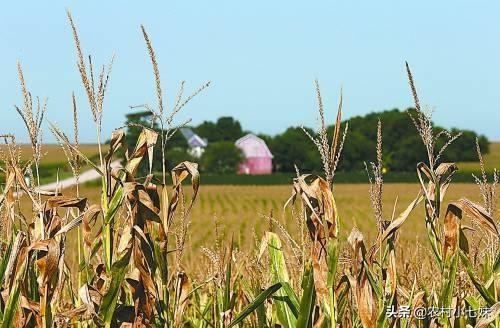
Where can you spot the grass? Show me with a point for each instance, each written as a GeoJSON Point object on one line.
{"type": "Point", "coordinates": [491, 160]}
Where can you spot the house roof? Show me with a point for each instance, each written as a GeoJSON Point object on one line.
{"type": "Point", "coordinates": [187, 132]}
{"type": "Point", "coordinates": [197, 141]}
{"type": "Point", "coordinates": [253, 146]}
{"type": "Point", "coordinates": [193, 139]}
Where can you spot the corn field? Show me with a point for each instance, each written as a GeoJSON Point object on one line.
{"type": "Point", "coordinates": [307, 272]}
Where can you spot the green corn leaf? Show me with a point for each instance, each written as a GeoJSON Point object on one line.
{"type": "Point", "coordinates": [11, 305]}
{"type": "Point", "coordinates": [342, 297]}
{"type": "Point", "coordinates": [473, 302]}
{"type": "Point", "coordinates": [280, 275]}
{"type": "Point", "coordinates": [434, 243]}
{"type": "Point", "coordinates": [118, 271]}
{"type": "Point", "coordinates": [291, 298]}
{"type": "Point", "coordinates": [308, 298]}
{"type": "Point", "coordinates": [475, 281]}
{"type": "Point", "coordinates": [495, 272]}
{"type": "Point", "coordinates": [450, 272]}
{"type": "Point", "coordinates": [113, 205]}
{"type": "Point", "coordinates": [227, 287]}
{"type": "Point", "coordinates": [255, 304]}
{"type": "Point", "coordinates": [406, 321]}
{"type": "Point", "coordinates": [372, 280]}
{"type": "Point", "coordinates": [160, 261]}
{"type": "Point", "coordinates": [261, 316]}
{"type": "Point", "coordinates": [333, 260]}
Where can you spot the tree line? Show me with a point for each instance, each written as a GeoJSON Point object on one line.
{"type": "Point", "coordinates": [402, 147]}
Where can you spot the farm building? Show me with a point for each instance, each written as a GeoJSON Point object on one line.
{"type": "Point", "coordinates": [258, 158]}
{"type": "Point", "coordinates": [196, 144]}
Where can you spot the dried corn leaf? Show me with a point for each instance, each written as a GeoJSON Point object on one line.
{"type": "Point", "coordinates": [89, 219]}
{"type": "Point", "coordinates": [450, 253]}
{"type": "Point", "coordinates": [145, 144]}
{"type": "Point", "coordinates": [322, 223]}
{"type": "Point", "coordinates": [19, 243]}
{"type": "Point", "coordinates": [70, 226]}
{"type": "Point", "coordinates": [148, 209]}
{"type": "Point", "coordinates": [181, 295]}
{"type": "Point", "coordinates": [116, 141]}
{"type": "Point", "coordinates": [442, 176]}
{"type": "Point", "coordinates": [145, 294]}
{"type": "Point", "coordinates": [63, 201]}
{"type": "Point", "coordinates": [48, 260]}
{"type": "Point", "coordinates": [451, 229]}
{"type": "Point", "coordinates": [493, 314]}
{"type": "Point", "coordinates": [179, 174]}
{"type": "Point", "coordinates": [398, 222]}
{"type": "Point", "coordinates": [317, 198]}
{"type": "Point", "coordinates": [479, 214]}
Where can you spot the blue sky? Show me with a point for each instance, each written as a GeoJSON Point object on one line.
{"type": "Point", "coordinates": [262, 58]}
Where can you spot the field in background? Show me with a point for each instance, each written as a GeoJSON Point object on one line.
{"type": "Point", "coordinates": [492, 159]}
{"type": "Point", "coordinates": [54, 164]}
{"type": "Point", "coordinates": [241, 210]}
{"type": "Point", "coordinates": [238, 207]}
{"type": "Point", "coordinates": [242, 202]}
{"type": "Point", "coordinates": [53, 153]}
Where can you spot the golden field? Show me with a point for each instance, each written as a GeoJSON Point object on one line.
{"type": "Point", "coordinates": [241, 210]}
{"type": "Point", "coordinates": [52, 153]}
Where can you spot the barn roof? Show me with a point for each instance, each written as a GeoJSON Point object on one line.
{"type": "Point", "coordinates": [253, 146]}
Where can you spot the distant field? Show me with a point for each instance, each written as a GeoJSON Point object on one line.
{"type": "Point", "coordinates": [238, 207]}
{"type": "Point", "coordinates": [491, 160]}
{"type": "Point", "coordinates": [52, 153]}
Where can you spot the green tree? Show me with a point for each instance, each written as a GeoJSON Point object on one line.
{"type": "Point", "coordinates": [225, 129]}
{"type": "Point", "coordinates": [464, 149]}
{"type": "Point", "coordinates": [221, 157]}
{"type": "Point", "coordinates": [402, 146]}
{"type": "Point", "coordinates": [229, 128]}
{"type": "Point", "coordinates": [293, 147]}
{"type": "Point", "coordinates": [208, 130]}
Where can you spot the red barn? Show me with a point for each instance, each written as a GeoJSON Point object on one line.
{"type": "Point", "coordinates": [258, 158]}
